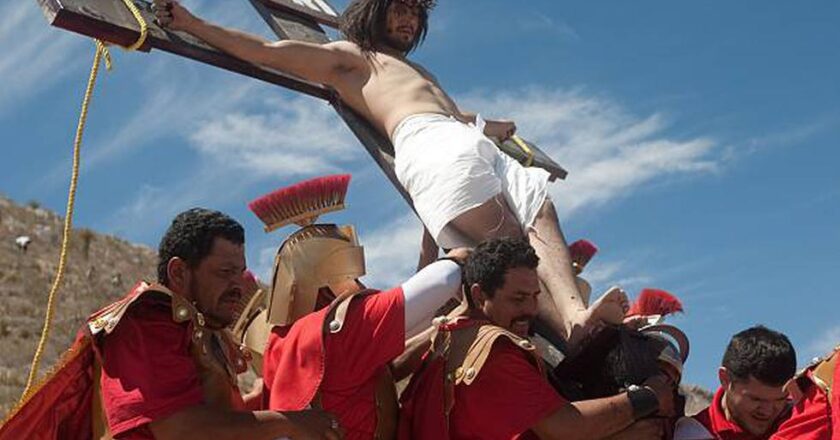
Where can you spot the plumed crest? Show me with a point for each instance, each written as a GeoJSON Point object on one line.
{"type": "Point", "coordinates": [301, 203]}
{"type": "Point", "coordinates": [581, 252]}
{"type": "Point", "coordinates": [655, 302]}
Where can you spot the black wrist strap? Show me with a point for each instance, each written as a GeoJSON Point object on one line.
{"type": "Point", "coordinates": [644, 402]}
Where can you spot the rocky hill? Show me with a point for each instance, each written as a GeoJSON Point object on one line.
{"type": "Point", "coordinates": [100, 269]}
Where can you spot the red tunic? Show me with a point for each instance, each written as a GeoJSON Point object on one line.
{"type": "Point", "coordinates": [508, 397]}
{"type": "Point", "coordinates": [815, 416]}
{"type": "Point", "coordinates": [714, 420]}
{"type": "Point", "coordinates": [835, 403]}
{"type": "Point", "coordinates": [342, 368]}
{"type": "Point", "coordinates": [147, 373]}
{"type": "Point", "coordinates": [147, 370]}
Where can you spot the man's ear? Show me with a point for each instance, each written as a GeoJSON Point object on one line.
{"type": "Point", "coordinates": [723, 376]}
{"type": "Point", "coordinates": [178, 274]}
{"type": "Point", "coordinates": [477, 296]}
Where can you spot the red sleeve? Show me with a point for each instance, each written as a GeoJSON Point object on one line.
{"type": "Point", "coordinates": [513, 394]}
{"type": "Point", "coordinates": [373, 335]}
{"type": "Point", "coordinates": [147, 371]}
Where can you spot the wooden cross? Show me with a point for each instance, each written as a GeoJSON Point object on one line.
{"type": "Point", "coordinates": [111, 21]}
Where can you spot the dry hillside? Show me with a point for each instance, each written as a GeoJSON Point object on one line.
{"type": "Point", "coordinates": [101, 268]}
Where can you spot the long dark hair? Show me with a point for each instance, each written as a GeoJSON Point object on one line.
{"type": "Point", "coordinates": [363, 22]}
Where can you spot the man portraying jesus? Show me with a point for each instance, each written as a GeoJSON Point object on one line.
{"type": "Point", "coordinates": [464, 189]}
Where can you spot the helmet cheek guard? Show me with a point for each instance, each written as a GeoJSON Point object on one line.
{"type": "Point", "coordinates": [316, 256]}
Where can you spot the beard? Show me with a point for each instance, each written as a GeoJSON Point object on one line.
{"type": "Point", "coordinates": [215, 313]}
{"type": "Point", "coordinates": [396, 43]}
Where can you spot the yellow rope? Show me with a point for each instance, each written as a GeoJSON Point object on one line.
{"type": "Point", "coordinates": [101, 54]}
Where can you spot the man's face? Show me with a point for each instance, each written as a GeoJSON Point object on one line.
{"type": "Point", "coordinates": [216, 284]}
{"type": "Point", "coordinates": [514, 305]}
{"type": "Point", "coordinates": [402, 23]}
{"type": "Point", "coordinates": [751, 404]}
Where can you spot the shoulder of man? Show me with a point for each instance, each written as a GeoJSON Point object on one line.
{"type": "Point", "coordinates": [144, 301]}
{"type": "Point", "coordinates": [472, 343]}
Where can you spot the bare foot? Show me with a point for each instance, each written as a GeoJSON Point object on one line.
{"type": "Point", "coordinates": [610, 308]}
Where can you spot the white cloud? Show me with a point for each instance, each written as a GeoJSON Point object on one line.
{"type": "Point", "coordinates": [285, 137]}
{"type": "Point", "coordinates": [34, 55]}
{"type": "Point", "coordinates": [536, 21]}
{"type": "Point", "coordinates": [392, 251]}
{"type": "Point", "coordinates": [824, 343]}
{"type": "Point", "coordinates": [608, 152]}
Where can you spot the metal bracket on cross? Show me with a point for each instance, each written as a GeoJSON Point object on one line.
{"type": "Point", "coordinates": [111, 21]}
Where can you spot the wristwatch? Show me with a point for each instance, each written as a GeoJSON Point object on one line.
{"type": "Point", "coordinates": [643, 400]}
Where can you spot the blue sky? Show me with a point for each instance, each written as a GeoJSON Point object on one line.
{"type": "Point", "coordinates": [701, 140]}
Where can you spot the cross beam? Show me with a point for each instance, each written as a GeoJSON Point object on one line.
{"type": "Point", "coordinates": [111, 21]}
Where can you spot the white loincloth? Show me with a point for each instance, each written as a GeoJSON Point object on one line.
{"type": "Point", "coordinates": [449, 167]}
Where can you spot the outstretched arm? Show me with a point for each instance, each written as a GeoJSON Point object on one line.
{"type": "Point", "coordinates": [602, 418]}
{"type": "Point", "coordinates": [318, 63]}
{"type": "Point", "coordinates": [206, 422]}
{"type": "Point", "coordinates": [496, 128]}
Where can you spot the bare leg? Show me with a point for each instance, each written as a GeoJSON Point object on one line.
{"type": "Point", "coordinates": [563, 308]}
{"type": "Point", "coordinates": [555, 271]}
{"type": "Point", "coordinates": [494, 219]}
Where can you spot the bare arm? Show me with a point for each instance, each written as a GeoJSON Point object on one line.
{"type": "Point", "coordinates": [253, 399]}
{"type": "Point", "coordinates": [318, 63]}
{"type": "Point", "coordinates": [587, 420]}
{"type": "Point", "coordinates": [202, 422]}
{"type": "Point", "coordinates": [499, 129]}
{"type": "Point", "coordinates": [410, 359]}
{"type": "Point", "coordinates": [601, 418]}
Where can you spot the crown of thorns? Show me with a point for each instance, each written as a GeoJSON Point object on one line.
{"type": "Point", "coordinates": [426, 4]}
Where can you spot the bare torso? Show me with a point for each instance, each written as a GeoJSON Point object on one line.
{"type": "Point", "coordinates": [386, 89]}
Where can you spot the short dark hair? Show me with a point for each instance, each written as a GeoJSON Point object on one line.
{"type": "Point", "coordinates": [761, 353]}
{"type": "Point", "coordinates": [190, 237]}
{"type": "Point", "coordinates": [491, 260]}
{"type": "Point", "coordinates": [363, 22]}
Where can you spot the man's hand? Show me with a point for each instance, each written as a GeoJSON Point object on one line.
{"type": "Point", "coordinates": [171, 15]}
{"type": "Point", "coordinates": [460, 255]}
{"type": "Point", "coordinates": [314, 424]}
{"type": "Point", "coordinates": [663, 387]}
{"type": "Point", "coordinates": [647, 429]}
{"type": "Point", "coordinates": [501, 130]}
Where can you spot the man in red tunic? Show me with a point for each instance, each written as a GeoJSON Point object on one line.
{"type": "Point", "coordinates": [751, 401]}
{"type": "Point", "coordinates": [816, 414]}
{"type": "Point", "coordinates": [325, 339]}
{"type": "Point", "coordinates": [482, 377]}
{"type": "Point", "coordinates": [160, 363]}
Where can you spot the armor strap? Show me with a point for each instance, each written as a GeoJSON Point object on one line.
{"type": "Point", "coordinates": [339, 311]}
{"type": "Point", "coordinates": [466, 350]}
{"type": "Point", "coordinates": [479, 350]}
{"type": "Point", "coordinates": [823, 374]}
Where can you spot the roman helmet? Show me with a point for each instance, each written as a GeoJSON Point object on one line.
{"type": "Point", "coordinates": [313, 257]}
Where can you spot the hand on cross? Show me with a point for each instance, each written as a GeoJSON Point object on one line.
{"type": "Point", "coordinates": [171, 15]}
{"type": "Point", "coordinates": [501, 130]}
